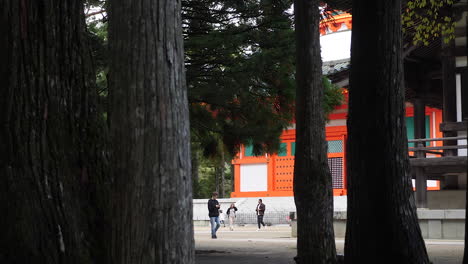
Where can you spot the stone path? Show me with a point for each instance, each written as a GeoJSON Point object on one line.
{"type": "Point", "coordinates": [275, 245]}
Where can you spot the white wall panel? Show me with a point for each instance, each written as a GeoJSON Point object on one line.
{"type": "Point", "coordinates": [253, 177]}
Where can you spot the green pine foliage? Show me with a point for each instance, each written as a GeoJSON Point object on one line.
{"type": "Point", "coordinates": [98, 40]}
{"type": "Point", "coordinates": [240, 58]}
{"type": "Point", "coordinates": [240, 72]}
{"type": "Point", "coordinates": [206, 183]}
{"type": "Point", "coordinates": [333, 96]}
{"type": "Point", "coordinates": [240, 67]}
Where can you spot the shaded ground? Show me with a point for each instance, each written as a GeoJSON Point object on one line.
{"type": "Point", "coordinates": [274, 245]}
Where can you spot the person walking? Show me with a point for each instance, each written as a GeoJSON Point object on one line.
{"type": "Point", "coordinates": [222, 218]}
{"type": "Point", "coordinates": [213, 213]}
{"type": "Point", "coordinates": [231, 213]}
{"type": "Point", "coordinates": [260, 213]}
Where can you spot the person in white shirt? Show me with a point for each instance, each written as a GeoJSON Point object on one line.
{"type": "Point", "coordinates": [231, 212]}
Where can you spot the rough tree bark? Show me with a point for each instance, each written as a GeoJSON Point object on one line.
{"type": "Point", "coordinates": [47, 110]}
{"type": "Point", "coordinates": [152, 192]}
{"type": "Point", "coordinates": [312, 179]}
{"type": "Point", "coordinates": [222, 175]}
{"type": "Point", "coordinates": [382, 225]}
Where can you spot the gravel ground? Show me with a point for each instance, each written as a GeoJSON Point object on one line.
{"type": "Point", "coordinates": [275, 245]}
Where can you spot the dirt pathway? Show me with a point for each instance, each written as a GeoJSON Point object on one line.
{"type": "Point", "coordinates": [274, 245]}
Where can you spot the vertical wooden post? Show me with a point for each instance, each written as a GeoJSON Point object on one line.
{"type": "Point", "coordinates": [464, 91]}
{"type": "Point", "coordinates": [420, 132]}
{"type": "Point", "coordinates": [419, 120]}
{"type": "Point", "coordinates": [449, 92]}
{"type": "Point", "coordinates": [465, 252]}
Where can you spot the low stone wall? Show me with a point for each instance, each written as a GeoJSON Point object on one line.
{"type": "Point", "coordinates": [201, 222]}
{"type": "Point", "coordinates": [447, 199]}
{"type": "Point", "coordinates": [442, 224]}
{"type": "Point", "coordinates": [435, 224]}
{"type": "Point", "coordinates": [200, 207]}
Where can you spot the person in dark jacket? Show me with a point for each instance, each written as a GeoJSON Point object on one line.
{"type": "Point", "coordinates": [213, 213]}
{"type": "Point", "coordinates": [260, 213]}
{"type": "Point", "coordinates": [231, 213]}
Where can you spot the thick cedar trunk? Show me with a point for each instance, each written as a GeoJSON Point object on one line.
{"type": "Point", "coordinates": [312, 179]}
{"type": "Point", "coordinates": [152, 192]}
{"type": "Point", "coordinates": [46, 109]}
{"type": "Point", "coordinates": [382, 225]}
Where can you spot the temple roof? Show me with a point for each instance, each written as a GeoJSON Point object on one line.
{"type": "Point", "coordinates": [422, 63]}
{"type": "Point", "coordinates": [337, 66]}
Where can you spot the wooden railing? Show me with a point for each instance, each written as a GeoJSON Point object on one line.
{"type": "Point", "coordinates": [437, 149]}
{"type": "Point", "coordinates": [453, 126]}
{"type": "Point", "coordinates": [437, 165]}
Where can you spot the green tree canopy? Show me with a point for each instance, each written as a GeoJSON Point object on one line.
{"type": "Point", "coordinates": [240, 67]}
{"type": "Point", "coordinates": [240, 62]}
{"type": "Point", "coordinates": [240, 72]}
{"type": "Point", "coordinates": [425, 20]}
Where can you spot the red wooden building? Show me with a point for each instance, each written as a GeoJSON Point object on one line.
{"type": "Point", "coordinates": [272, 175]}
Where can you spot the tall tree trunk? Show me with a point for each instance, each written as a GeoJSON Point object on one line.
{"type": "Point", "coordinates": [312, 179]}
{"type": "Point", "coordinates": [152, 192]}
{"type": "Point", "coordinates": [382, 225]}
{"type": "Point", "coordinates": [46, 112]}
{"type": "Point", "coordinates": [195, 162]}
{"type": "Point", "coordinates": [222, 175]}
{"type": "Point", "coordinates": [216, 174]}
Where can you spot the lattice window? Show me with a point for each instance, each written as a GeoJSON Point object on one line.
{"type": "Point", "coordinates": [335, 146]}
{"type": "Point", "coordinates": [336, 170]}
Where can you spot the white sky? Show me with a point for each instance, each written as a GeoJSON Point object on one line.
{"type": "Point", "coordinates": [335, 46]}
